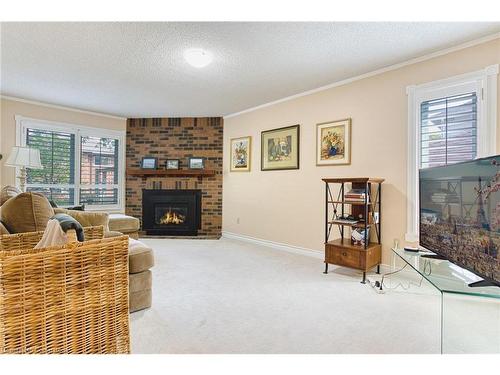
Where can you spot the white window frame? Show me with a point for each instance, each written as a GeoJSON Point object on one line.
{"type": "Point", "coordinates": [22, 125]}
{"type": "Point", "coordinates": [484, 83]}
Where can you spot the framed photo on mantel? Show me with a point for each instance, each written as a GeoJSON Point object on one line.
{"type": "Point", "coordinates": [172, 164]}
{"type": "Point", "coordinates": [333, 142]}
{"type": "Point", "coordinates": [149, 162]}
{"type": "Point", "coordinates": [196, 163]}
{"type": "Point", "coordinates": [280, 148]}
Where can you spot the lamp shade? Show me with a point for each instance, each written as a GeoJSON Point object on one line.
{"type": "Point", "coordinates": [24, 157]}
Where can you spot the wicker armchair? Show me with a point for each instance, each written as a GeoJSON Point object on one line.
{"type": "Point", "coordinates": [64, 299]}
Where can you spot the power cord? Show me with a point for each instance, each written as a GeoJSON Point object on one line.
{"type": "Point", "coordinates": [378, 284]}
{"type": "Point", "coordinates": [381, 285]}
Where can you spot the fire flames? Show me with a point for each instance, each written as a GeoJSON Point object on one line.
{"type": "Point", "coordinates": [172, 218]}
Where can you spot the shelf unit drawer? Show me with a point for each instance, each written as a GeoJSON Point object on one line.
{"type": "Point", "coordinates": [347, 255]}
{"type": "Point", "coordinates": [342, 256]}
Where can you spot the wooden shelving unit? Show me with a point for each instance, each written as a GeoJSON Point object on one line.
{"type": "Point", "coordinates": [170, 172]}
{"type": "Point", "coordinates": [341, 251]}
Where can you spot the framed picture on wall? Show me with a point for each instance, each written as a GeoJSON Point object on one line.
{"type": "Point", "coordinates": [280, 148]}
{"type": "Point", "coordinates": [333, 142]}
{"type": "Point", "coordinates": [240, 154]}
{"type": "Point", "coordinates": [148, 162]}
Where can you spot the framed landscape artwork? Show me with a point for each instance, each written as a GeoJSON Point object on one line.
{"type": "Point", "coordinates": [333, 143]}
{"type": "Point", "coordinates": [280, 148]}
{"type": "Point", "coordinates": [241, 149]}
{"type": "Point", "coordinates": [148, 162]}
{"type": "Point", "coordinates": [196, 163]}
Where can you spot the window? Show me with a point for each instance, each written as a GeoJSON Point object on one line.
{"type": "Point", "coordinates": [98, 171]}
{"type": "Point", "coordinates": [448, 130]}
{"type": "Point", "coordinates": [449, 121]}
{"type": "Point", "coordinates": [81, 165]}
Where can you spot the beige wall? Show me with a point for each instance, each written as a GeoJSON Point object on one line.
{"type": "Point", "coordinates": [10, 108]}
{"type": "Point", "coordinates": [288, 206]}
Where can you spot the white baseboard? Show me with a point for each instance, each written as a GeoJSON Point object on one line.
{"type": "Point", "coordinates": [318, 254]}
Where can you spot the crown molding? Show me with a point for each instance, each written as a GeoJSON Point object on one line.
{"type": "Point", "coordinates": [389, 68]}
{"type": "Point", "coordinates": [55, 106]}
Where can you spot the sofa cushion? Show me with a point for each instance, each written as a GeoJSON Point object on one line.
{"type": "Point", "coordinates": [26, 212]}
{"type": "Point", "coordinates": [139, 300]}
{"type": "Point", "coordinates": [8, 192]}
{"type": "Point", "coordinates": [140, 295]}
{"type": "Point", "coordinates": [112, 233]}
{"type": "Point", "coordinates": [86, 218]}
{"type": "Point", "coordinates": [123, 223]}
{"type": "Point", "coordinates": [140, 281]}
{"type": "Point", "coordinates": [140, 259]}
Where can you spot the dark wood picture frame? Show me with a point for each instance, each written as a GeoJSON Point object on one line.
{"type": "Point", "coordinates": [174, 160]}
{"type": "Point", "coordinates": [192, 158]}
{"type": "Point", "coordinates": [149, 158]}
{"type": "Point", "coordinates": [262, 148]}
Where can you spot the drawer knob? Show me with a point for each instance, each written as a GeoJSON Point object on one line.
{"type": "Point", "coordinates": [344, 254]}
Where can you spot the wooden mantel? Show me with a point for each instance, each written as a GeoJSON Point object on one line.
{"type": "Point", "coordinates": [138, 172]}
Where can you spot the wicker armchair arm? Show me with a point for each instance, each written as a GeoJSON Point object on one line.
{"type": "Point", "coordinates": [29, 240]}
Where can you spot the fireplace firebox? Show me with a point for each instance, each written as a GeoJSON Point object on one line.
{"type": "Point", "coordinates": [171, 212]}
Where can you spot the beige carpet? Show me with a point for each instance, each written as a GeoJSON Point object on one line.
{"type": "Point", "coordinates": [229, 296]}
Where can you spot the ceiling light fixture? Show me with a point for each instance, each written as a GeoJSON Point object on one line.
{"type": "Point", "coordinates": [198, 57]}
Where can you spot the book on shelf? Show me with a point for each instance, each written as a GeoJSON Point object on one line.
{"type": "Point", "coordinates": [356, 191]}
{"type": "Point", "coordinates": [355, 196]}
{"type": "Point", "coordinates": [354, 199]}
{"type": "Point", "coordinates": [345, 221]}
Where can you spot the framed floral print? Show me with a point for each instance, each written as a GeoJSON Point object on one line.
{"type": "Point", "coordinates": [241, 149]}
{"type": "Point", "coordinates": [280, 148]}
{"type": "Point", "coordinates": [333, 143]}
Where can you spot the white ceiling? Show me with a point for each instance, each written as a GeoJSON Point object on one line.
{"type": "Point", "coordinates": [138, 70]}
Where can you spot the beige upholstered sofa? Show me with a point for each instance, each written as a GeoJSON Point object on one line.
{"type": "Point", "coordinates": [124, 224]}
{"type": "Point", "coordinates": [30, 212]}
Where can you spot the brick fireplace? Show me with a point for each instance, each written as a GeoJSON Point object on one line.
{"type": "Point", "coordinates": [176, 138]}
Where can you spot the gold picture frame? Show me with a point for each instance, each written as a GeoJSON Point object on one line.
{"type": "Point", "coordinates": [240, 154]}
{"type": "Point", "coordinates": [333, 142]}
{"type": "Point", "coordinates": [279, 148]}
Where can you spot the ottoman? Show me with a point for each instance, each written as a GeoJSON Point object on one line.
{"type": "Point", "coordinates": [125, 224]}
{"type": "Point", "coordinates": [140, 260]}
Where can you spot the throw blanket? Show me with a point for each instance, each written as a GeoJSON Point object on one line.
{"type": "Point", "coordinates": [67, 222]}
{"type": "Point", "coordinates": [54, 234]}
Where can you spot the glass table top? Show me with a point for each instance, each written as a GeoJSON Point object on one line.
{"type": "Point", "coordinates": [446, 276]}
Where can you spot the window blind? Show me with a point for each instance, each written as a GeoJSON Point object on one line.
{"type": "Point", "coordinates": [448, 130]}
{"type": "Point", "coordinates": [57, 154]}
{"type": "Point", "coordinates": [98, 170]}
